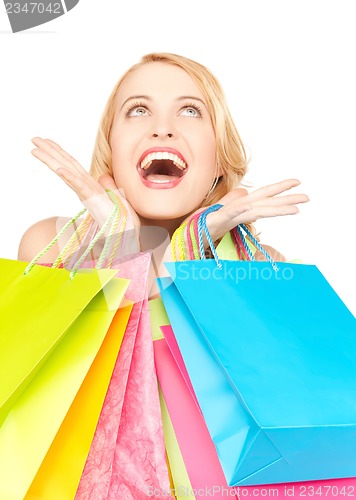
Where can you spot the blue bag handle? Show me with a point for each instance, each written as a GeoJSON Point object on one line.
{"type": "Point", "coordinates": [202, 226]}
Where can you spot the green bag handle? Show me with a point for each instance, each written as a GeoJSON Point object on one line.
{"type": "Point", "coordinates": [111, 220]}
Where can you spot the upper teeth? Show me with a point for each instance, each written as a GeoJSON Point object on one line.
{"type": "Point", "coordinates": [163, 155]}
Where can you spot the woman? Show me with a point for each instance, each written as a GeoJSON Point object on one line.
{"type": "Point", "coordinates": [167, 146]}
{"type": "Point", "coordinates": [168, 142]}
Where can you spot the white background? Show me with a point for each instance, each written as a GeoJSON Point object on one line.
{"type": "Point", "coordinates": [288, 70]}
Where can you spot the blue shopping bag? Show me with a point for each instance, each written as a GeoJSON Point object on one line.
{"type": "Point", "coordinates": [272, 359]}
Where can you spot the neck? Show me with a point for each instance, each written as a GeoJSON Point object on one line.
{"type": "Point", "coordinates": [170, 225]}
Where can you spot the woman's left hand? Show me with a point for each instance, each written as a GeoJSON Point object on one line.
{"type": "Point", "coordinates": [240, 207]}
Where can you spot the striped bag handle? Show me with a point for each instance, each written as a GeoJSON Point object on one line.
{"type": "Point", "coordinates": [185, 240]}
{"type": "Point", "coordinates": [116, 237]}
{"type": "Point", "coordinates": [240, 230]}
{"type": "Point", "coordinates": [112, 221]}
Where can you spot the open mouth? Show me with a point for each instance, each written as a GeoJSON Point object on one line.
{"type": "Point", "coordinates": [162, 169]}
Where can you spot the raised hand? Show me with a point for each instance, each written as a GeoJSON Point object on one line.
{"type": "Point", "coordinates": [67, 168]}
{"type": "Point", "coordinates": [240, 207]}
{"type": "Point", "coordinates": [90, 191]}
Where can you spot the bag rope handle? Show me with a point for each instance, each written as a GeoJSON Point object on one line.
{"type": "Point", "coordinates": [202, 226]}
{"type": "Point", "coordinates": [112, 219]}
{"type": "Point", "coordinates": [74, 242]}
{"type": "Point", "coordinates": [113, 215]}
{"type": "Point", "coordinates": [54, 241]}
{"type": "Point", "coordinates": [185, 239]}
{"type": "Point", "coordinates": [118, 228]}
{"type": "Point", "coordinates": [193, 237]}
{"type": "Point", "coordinates": [239, 244]}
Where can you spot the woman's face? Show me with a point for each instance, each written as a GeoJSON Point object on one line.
{"type": "Point", "coordinates": [163, 143]}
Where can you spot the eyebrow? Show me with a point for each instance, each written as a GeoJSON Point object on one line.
{"type": "Point", "coordinates": [148, 98]}
{"type": "Point", "coordinates": [136, 97]}
{"type": "Point", "coordinates": [192, 97]}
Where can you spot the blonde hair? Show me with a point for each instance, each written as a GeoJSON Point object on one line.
{"type": "Point", "coordinates": [230, 152]}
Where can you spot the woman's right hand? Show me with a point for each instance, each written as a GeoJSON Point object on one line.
{"type": "Point", "coordinates": [90, 191]}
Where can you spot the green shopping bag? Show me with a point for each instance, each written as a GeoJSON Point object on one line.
{"type": "Point", "coordinates": [35, 311]}
{"type": "Point", "coordinates": [37, 307]}
{"type": "Point", "coordinates": [53, 325]}
{"type": "Point", "coordinates": [32, 423]}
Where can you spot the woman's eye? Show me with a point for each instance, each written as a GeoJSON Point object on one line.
{"type": "Point", "coordinates": [191, 111]}
{"type": "Point", "coordinates": [137, 111]}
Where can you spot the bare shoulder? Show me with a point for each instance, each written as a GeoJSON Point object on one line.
{"type": "Point", "coordinates": [37, 237]}
{"type": "Point", "coordinates": [275, 254]}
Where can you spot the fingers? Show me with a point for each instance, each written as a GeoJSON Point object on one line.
{"type": "Point", "coordinates": [66, 155]}
{"type": "Point", "coordinates": [273, 189]}
{"type": "Point", "coordinates": [66, 167]}
{"type": "Point", "coordinates": [240, 207]}
{"type": "Point", "coordinates": [261, 212]}
{"type": "Point", "coordinates": [263, 202]}
{"type": "Point", "coordinates": [54, 156]}
{"type": "Point", "coordinates": [42, 155]}
{"type": "Point", "coordinates": [90, 191]}
{"type": "Point", "coordinates": [265, 195]}
{"type": "Point", "coordinates": [293, 199]}
{"type": "Point", "coordinates": [224, 222]}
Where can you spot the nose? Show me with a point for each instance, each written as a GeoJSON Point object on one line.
{"type": "Point", "coordinates": [169, 134]}
{"type": "Point", "coordinates": [162, 127]}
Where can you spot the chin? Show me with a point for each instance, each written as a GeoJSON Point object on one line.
{"type": "Point", "coordinates": [159, 204]}
{"type": "Point", "coordinates": [163, 215]}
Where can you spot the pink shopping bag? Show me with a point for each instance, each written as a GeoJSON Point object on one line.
{"type": "Point", "coordinates": [198, 451]}
{"type": "Point", "coordinates": [127, 456]}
